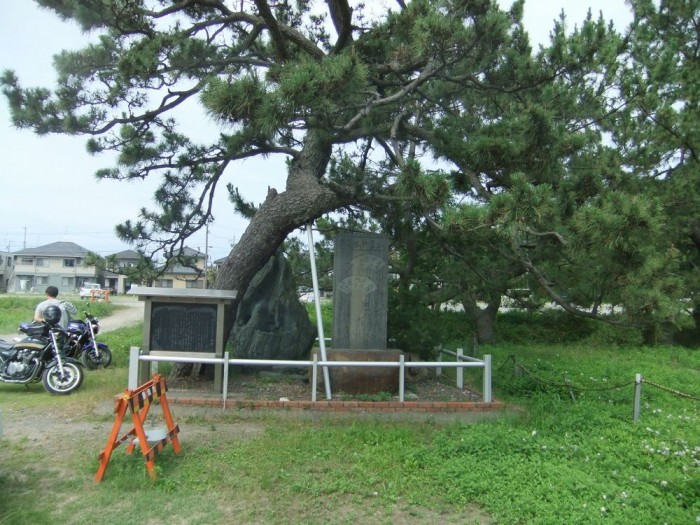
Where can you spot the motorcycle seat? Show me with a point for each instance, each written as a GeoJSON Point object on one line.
{"type": "Point", "coordinates": [6, 345]}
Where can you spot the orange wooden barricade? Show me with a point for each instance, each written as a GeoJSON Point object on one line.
{"type": "Point", "coordinates": [99, 294]}
{"type": "Point", "coordinates": [138, 401]}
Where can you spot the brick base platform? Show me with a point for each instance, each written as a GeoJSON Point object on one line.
{"type": "Point", "coordinates": [344, 406]}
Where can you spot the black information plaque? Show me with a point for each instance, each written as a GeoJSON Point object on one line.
{"type": "Point", "coordinates": [183, 327]}
{"type": "Point", "coordinates": [184, 321]}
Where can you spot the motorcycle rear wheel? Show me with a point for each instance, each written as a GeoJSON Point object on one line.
{"type": "Point", "coordinates": [71, 380]}
{"type": "Point", "coordinates": [95, 359]}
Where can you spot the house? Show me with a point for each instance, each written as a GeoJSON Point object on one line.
{"type": "Point", "coordinates": [119, 281]}
{"type": "Point", "coordinates": [185, 269]}
{"type": "Point", "coordinates": [60, 264]}
{"type": "Point", "coordinates": [217, 264]}
{"type": "Point", "coordinates": [5, 269]}
{"type": "Point", "coordinates": [127, 258]}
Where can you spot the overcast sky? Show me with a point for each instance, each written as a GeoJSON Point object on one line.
{"type": "Point", "coordinates": [49, 192]}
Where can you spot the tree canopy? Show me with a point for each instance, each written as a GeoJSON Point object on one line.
{"type": "Point", "coordinates": [567, 170]}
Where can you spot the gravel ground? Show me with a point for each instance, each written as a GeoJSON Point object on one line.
{"type": "Point", "coordinates": [295, 387]}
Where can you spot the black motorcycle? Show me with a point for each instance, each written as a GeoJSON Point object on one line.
{"type": "Point", "coordinates": [36, 358]}
{"type": "Point", "coordinates": [80, 343]}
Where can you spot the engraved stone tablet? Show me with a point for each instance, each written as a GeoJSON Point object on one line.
{"type": "Point", "coordinates": [360, 274]}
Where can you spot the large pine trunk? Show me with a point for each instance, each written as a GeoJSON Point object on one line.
{"type": "Point", "coordinates": [484, 320]}
{"type": "Point", "coordinates": [305, 198]}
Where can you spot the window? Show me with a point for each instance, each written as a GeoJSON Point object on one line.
{"type": "Point", "coordinates": [9, 261]}
{"type": "Point", "coordinates": [27, 260]}
{"type": "Point", "coordinates": [69, 263]}
{"type": "Point", "coordinates": [194, 284]}
{"type": "Point", "coordinates": [67, 281]}
{"type": "Point", "coordinates": [41, 280]}
{"type": "Point", "coordinates": [165, 283]}
{"type": "Point", "coordinates": [42, 261]}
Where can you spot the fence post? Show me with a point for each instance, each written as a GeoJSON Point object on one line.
{"type": "Point", "coordinates": [438, 369]}
{"type": "Point", "coordinates": [225, 392]}
{"type": "Point", "coordinates": [567, 382]}
{"type": "Point", "coordinates": [402, 377]}
{"type": "Point", "coordinates": [517, 369]}
{"type": "Point", "coordinates": [314, 378]}
{"type": "Point", "coordinates": [133, 381]}
{"type": "Point", "coordinates": [460, 369]}
{"type": "Point", "coordinates": [488, 396]}
{"type": "Point", "coordinates": [637, 397]}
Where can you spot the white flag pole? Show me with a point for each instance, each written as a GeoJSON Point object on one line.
{"type": "Point", "coordinates": [319, 319]}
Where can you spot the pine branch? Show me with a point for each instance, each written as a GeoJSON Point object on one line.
{"type": "Point", "coordinates": [552, 294]}
{"type": "Point", "coordinates": [274, 28]}
{"type": "Point", "coordinates": [425, 75]}
{"type": "Point", "coordinates": [560, 238]}
{"type": "Point", "coordinates": [164, 107]}
{"type": "Point", "coordinates": [341, 15]}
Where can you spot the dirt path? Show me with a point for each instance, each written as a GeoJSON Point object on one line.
{"type": "Point", "coordinates": [131, 313]}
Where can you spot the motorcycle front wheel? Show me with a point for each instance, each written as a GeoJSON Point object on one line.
{"type": "Point", "coordinates": [70, 381]}
{"type": "Point", "coordinates": [94, 359]}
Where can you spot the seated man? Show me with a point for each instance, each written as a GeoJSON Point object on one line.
{"type": "Point", "coordinates": [51, 294]}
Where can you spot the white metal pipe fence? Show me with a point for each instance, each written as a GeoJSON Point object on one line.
{"type": "Point", "coordinates": [135, 357]}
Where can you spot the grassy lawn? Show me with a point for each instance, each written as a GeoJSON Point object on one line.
{"type": "Point", "coordinates": [554, 459]}
{"type": "Point", "coordinates": [17, 308]}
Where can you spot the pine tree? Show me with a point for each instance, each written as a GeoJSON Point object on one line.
{"type": "Point", "coordinates": [361, 106]}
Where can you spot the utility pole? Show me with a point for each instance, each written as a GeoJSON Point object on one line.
{"type": "Point", "coordinates": [24, 245]}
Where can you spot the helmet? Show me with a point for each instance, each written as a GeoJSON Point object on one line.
{"type": "Point", "coordinates": [52, 314]}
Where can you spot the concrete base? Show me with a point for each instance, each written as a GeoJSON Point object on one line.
{"type": "Point", "coordinates": [361, 380]}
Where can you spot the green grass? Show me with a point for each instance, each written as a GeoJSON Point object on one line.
{"type": "Point", "coordinates": [17, 308]}
{"type": "Point", "coordinates": [551, 460]}
{"type": "Point", "coordinates": [326, 316]}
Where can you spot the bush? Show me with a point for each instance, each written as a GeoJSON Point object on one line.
{"type": "Point", "coordinates": [326, 316]}
{"type": "Point", "coordinates": [413, 327]}
{"type": "Point", "coordinates": [417, 328]}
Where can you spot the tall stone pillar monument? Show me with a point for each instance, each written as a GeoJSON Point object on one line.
{"type": "Point", "coordinates": [360, 300]}
{"type": "Point", "coordinates": [360, 274]}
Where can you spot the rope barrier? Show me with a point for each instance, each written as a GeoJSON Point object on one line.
{"type": "Point", "coordinates": [671, 390]}
{"type": "Point", "coordinates": [568, 385]}
{"type": "Point", "coordinates": [511, 357]}
{"type": "Point", "coordinates": [638, 381]}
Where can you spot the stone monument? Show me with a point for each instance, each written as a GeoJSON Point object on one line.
{"type": "Point", "coordinates": [271, 323]}
{"type": "Point", "coordinates": [360, 299]}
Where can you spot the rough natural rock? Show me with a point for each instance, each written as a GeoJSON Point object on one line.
{"type": "Point", "coordinates": [271, 323]}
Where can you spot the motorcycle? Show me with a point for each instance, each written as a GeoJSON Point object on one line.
{"type": "Point", "coordinates": [37, 358]}
{"type": "Point", "coordinates": [81, 344]}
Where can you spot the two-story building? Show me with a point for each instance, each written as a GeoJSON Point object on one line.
{"type": "Point", "coordinates": [175, 274]}
{"type": "Point", "coordinates": [119, 280]}
{"type": "Point", "coordinates": [5, 270]}
{"type": "Point", "coordinates": [60, 264]}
